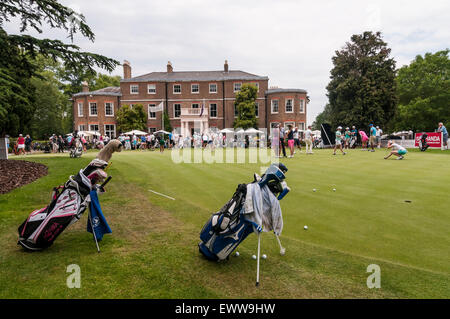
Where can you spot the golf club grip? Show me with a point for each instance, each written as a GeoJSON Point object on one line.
{"type": "Point", "coordinates": [106, 182]}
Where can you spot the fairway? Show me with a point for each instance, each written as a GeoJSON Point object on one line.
{"type": "Point", "coordinates": [152, 252]}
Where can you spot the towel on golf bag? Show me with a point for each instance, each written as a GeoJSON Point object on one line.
{"type": "Point", "coordinates": [99, 222]}
{"type": "Point", "coordinates": [258, 210]}
{"type": "Point", "coordinates": [263, 208]}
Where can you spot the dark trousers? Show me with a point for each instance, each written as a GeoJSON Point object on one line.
{"type": "Point", "coordinates": [282, 146]}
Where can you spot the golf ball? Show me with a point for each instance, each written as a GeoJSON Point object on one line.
{"type": "Point", "coordinates": [314, 190]}
{"type": "Point", "coordinates": [264, 256]}
{"type": "Point", "coordinates": [334, 189]}
{"type": "Point", "coordinates": [254, 256]}
{"type": "Point", "coordinates": [305, 227]}
{"type": "Point", "coordinates": [237, 254]}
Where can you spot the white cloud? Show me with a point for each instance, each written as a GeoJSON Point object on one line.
{"type": "Point", "coordinates": [292, 42]}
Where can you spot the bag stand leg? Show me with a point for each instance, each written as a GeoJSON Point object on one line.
{"type": "Point", "coordinates": [257, 259]}
{"type": "Point", "coordinates": [93, 231]}
{"type": "Point", "coordinates": [282, 249]}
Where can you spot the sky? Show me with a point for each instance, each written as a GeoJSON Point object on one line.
{"type": "Point", "coordinates": [291, 42]}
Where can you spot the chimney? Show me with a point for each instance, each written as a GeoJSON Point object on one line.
{"type": "Point", "coordinates": [169, 67]}
{"type": "Point", "coordinates": [126, 69]}
{"type": "Point", "coordinates": [85, 86]}
{"type": "Point", "coordinates": [225, 66]}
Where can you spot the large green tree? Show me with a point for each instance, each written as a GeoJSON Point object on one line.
{"type": "Point", "coordinates": [245, 104]}
{"type": "Point", "coordinates": [362, 87]}
{"type": "Point", "coordinates": [131, 118]}
{"type": "Point", "coordinates": [17, 50]}
{"type": "Point", "coordinates": [424, 92]}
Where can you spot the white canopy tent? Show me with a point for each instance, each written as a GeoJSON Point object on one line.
{"type": "Point", "coordinates": [226, 131]}
{"type": "Point", "coordinates": [162, 131]}
{"type": "Point", "coordinates": [135, 132]}
{"type": "Point", "coordinates": [253, 131]}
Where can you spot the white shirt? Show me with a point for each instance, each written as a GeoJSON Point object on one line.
{"type": "Point", "coordinates": [397, 147]}
{"type": "Point", "coordinates": [308, 133]}
{"type": "Point", "coordinates": [379, 132]}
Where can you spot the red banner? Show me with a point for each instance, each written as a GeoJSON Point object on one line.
{"type": "Point", "coordinates": [433, 139]}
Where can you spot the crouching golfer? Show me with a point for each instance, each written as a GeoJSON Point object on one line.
{"type": "Point", "coordinates": [397, 150]}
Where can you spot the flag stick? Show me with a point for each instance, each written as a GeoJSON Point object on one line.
{"type": "Point", "coordinates": [93, 231]}
{"type": "Point", "coordinates": [257, 259]}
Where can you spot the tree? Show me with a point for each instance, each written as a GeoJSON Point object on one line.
{"type": "Point", "coordinates": [52, 106]}
{"type": "Point", "coordinates": [321, 118]}
{"type": "Point", "coordinates": [362, 87]}
{"type": "Point", "coordinates": [17, 52]}
{"type": "Point", "coordinates": [424, 92]}
{"type": "Point", "coordinates": [245, 104]}
{"type": "Point", "coordinates": [131, 118]}
{"type": "Point", "coordinates": [167, 126]}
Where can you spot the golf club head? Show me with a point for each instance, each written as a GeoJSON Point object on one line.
{"type": "Point", "coordinates": [282, 251]}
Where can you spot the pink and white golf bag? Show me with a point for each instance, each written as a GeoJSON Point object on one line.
{"type": "Point", "coordinates": [68, 204]}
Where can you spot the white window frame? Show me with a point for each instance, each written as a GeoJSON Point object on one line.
{"type": "Point", "coordinates": [301, 126]}
{"type": "Point", "coordinates": [174, 89]}
{"type": "Point", "coordinates": [90, 109]}
{"type": "Point", "coordinates": [271, 106]}
{"type": "Point", "coordinates": [192, 88]}
{"type": "Point", "coordinates": [80, 114]}
{"type": "Point", "coordinates": [148, 110]}
{"type": "Point", "coordinates": [302, 106]}
{"type": "Point", "coordinates": [286, 104]}
{"type": "Point", "coordinates": [257, 108]}
{"type": "Point", "coordinates": [151, 129]}
{"type": "Point", "coordinates": [174, 111]}
{"type": "Point", "coordinates": [192, 106]}
{"type": "Point", "coordinates": [131, 88]}
{"type": "Point", "coordinates": [149, 86]}
{"type": "Point", "coordinates": [212, 92]}
{"type": "Point", "coordinates": [114, 131]}
{"type": "Point", "coordinates": [112, 109]}
{"type": "Point", "coordinates": [210, 110]}
{"type": "Point", "coordinates": [90, 127]}
{"type": "Point", "coordinates": [234, 86]}
{"type": "Point", "coordinates": [81, 127]}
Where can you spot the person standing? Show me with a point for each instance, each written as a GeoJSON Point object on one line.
{"type": "Point", "coordinates": [354, 137]}
{"type": "Point", "coordinates": [290, 139]}
{"type": "Point", "coordinates": [297, 139]}
{"type": "Point", "coordinates": [338, 141]}
{"type": "Point", "coordinates": [373, 137]}
{"type": "Point", "coordinates": [28, 142]}
{"type": "Point", "coordinates": [444, 131]}
{"type": "Point", "coordinates": [282, 133]}
{"type": "Point", "coordinates": [308, 140]}
{"type": "Point", "coordinates": [347, 137]}
{"type": "Point", "coordinates": [379, 133]}
{"type": "Point", "coordinates": [20, 145]}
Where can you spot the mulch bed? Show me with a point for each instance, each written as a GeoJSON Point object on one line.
{"type": "Point", "coordinates": [15, 174]}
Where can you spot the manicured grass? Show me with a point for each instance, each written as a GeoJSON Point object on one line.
{"type": "Point", "coordinates": [152, 252]}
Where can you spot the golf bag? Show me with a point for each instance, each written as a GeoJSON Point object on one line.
{"type": "Point", "coordinates": [231, 225]}
{"type": "Point", "coordinates": [69, 201]}
{"type": "Point", "coordinates": [423, 145]}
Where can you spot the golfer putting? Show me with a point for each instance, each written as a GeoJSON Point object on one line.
{"type": "Point", "coordinates": [397, 150]}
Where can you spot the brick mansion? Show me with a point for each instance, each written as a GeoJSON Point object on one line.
{"type": "Point", "coordinates": [182, 94]}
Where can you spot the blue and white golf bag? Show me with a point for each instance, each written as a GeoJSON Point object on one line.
{"type": "Point", "coordinates": [252, 207]}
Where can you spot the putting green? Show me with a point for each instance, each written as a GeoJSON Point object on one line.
{"type": "Point", "coordinates": [386, 212]}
